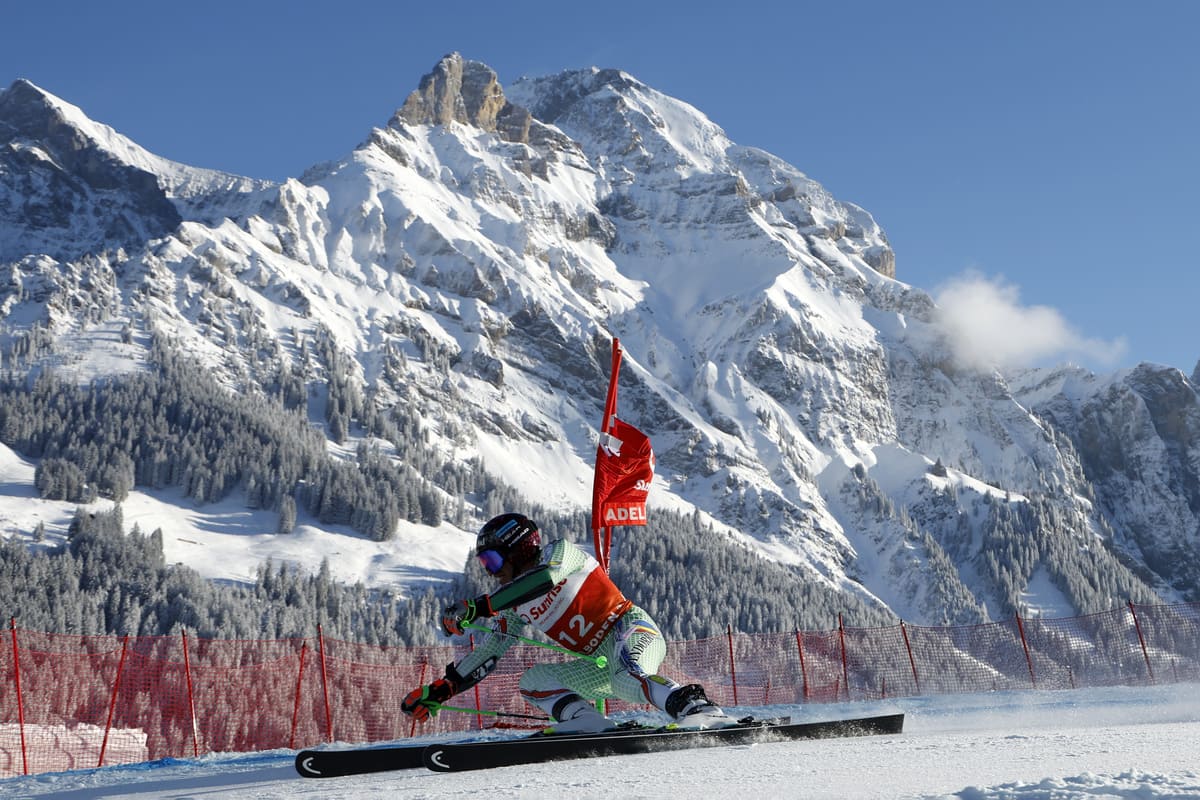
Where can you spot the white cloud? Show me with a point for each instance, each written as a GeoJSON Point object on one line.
{"type": "Point", "coordinates": [988, 327]}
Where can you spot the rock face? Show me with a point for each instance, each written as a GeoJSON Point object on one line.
{"type": "Point", "coordinates": [1137, 437]}
{"type": "Point", "coordinates": [467, 92]}
{"type": "Point", "coordinates": [456, 91]}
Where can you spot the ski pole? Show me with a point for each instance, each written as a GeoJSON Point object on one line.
{"type": "Point", "coordinates": [599, 661]}
{"type": "Point", "coordinates": [440, 707]}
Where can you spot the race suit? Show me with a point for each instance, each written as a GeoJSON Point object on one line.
{"type": "Point", "coordinates": [569, 598]}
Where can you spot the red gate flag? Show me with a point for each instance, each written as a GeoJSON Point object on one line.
{"type": "Point", "coordinates": [624, 471]}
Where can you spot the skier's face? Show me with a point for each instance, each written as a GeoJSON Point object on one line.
{"type": "Point", "coordinates": [505, 574]}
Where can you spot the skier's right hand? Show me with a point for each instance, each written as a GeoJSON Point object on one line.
{"type": "Point", "coordinates": [421, 703]}
{"type": "Point", "coordinates": [465, 611]}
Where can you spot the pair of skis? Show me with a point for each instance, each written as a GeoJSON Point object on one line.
{"type": "Point", "coordinates": [487, 754]}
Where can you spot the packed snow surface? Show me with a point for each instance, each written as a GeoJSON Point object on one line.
{"type": "Point", "coordinates": [1111, 743]}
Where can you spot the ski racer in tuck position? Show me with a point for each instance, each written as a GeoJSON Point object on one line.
{"type": "Point", "coordinates": [563, 591]}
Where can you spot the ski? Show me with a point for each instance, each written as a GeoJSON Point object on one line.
{"type": "Point", "coordinates": [485, 754]}
{"type": "Point", "coordinates": [362, 760]}
{"type": "Point", "coordinates": [338, 763]}
{"type": "Point", "coordinates": [454, 757]}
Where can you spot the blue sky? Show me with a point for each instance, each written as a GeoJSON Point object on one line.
{"type": "Point", "coordinates": [1033, 159]}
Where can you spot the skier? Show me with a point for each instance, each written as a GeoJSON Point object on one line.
{"type": "Point", "coordinates": [563, 591]}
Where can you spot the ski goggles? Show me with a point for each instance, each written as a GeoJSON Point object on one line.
{"type": "Point", "coordinates": [492, 561]}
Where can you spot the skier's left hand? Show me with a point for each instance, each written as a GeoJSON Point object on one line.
{"type": "Point", "coordinates": [456, 616]}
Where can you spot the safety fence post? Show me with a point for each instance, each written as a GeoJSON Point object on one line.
{"type": "Point", "coordinates": [1025, 645]}
{"type": "Point", "coordinates": [1141, 639]}
{"type": "Point", "coordinates": [803, 667]}
{"type": "Point", "coordinates": [845, 665]}
{"type": "Point", "coordinates": [296, 703]}
{"type": "Point", "coordinates": [478, 704]}
{"type": "Point", "coordinates": [20, 699]}
{"type": "Point", "coordinates": [732, 665]}
{"type": "Point", "coordinates": [412, 728]}
{"type": "Point", "coordinates": [187, 671]}
{"type": "Point", "coordinates": [912, 662]}
{"type": "Point", "coordinates": [112, 704]}
{"type": "Point", "coordinates": [325, 684]}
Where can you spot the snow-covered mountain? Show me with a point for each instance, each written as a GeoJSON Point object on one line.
{"type": "Point", "coordinates": [70, 186]}
{"type": "Point", "coordinates": [470, 262]}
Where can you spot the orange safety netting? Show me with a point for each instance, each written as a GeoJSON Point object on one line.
{"type": "Point", "coordinates": [69, 702]}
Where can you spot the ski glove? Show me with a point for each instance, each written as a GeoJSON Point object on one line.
{"type": "Point", "coordinates": [421, 704]}
{"type": "Point", "coordinates": [464, 611]}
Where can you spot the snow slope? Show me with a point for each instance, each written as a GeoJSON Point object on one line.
{"type": "Point", "coordinates": [1113, 743]}
{"type": "Point", "coordinates": [227, 541]}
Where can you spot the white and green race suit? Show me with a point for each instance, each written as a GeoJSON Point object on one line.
{"type": "Point", "coordinates": [569, 598]}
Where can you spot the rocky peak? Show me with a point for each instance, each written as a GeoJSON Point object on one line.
{"type": "Point", "coordinates": [27, 112]}
{"type": "Point", "coordinates": [466, 92]}
{"type": "Point", "coordinates": [62, 193]}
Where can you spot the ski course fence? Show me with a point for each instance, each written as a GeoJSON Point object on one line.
{"type": "Point", "coordinates": [71, 702]}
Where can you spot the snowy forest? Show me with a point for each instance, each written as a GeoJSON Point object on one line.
{"type": "Point", "coordinates": [175, 426]}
